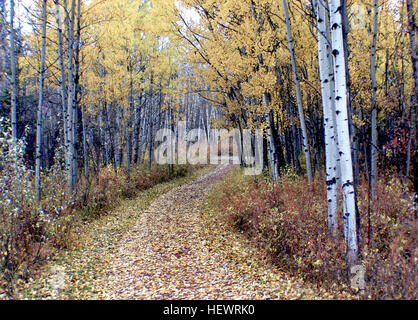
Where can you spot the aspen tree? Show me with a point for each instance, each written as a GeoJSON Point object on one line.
{"type": "Point", "coordinates": [328, 104]}
{"type": "Point", "coordinates": [40, 106]}
{"type": "Point", "coordinates": [70, 97]}
{"type": "Point", "coordinates": [344, 143]}
{"type": "Point", "coordinates": [298, 92]}
{"type": "Point", "coordinates": [14, 73]}
{"type": "Point", "coordinates": [373, 122]}
{"type": "Point", "coordinates": [60, 22]}
{"type": "Point", "coordinates": [85, 152]}
{"type": "Point", "coordinates": [414, 99]}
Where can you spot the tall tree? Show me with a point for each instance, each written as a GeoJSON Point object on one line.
{"type": "Point", "coordinates": [412, 33]}
{"type": "Point", "coordinates": [414, 99]}
{"type": "Point", "coordinates": [373, 122]}
{"type": "Point", "coordinates": [3, 42]}
{"type": "Point", "coordinates": [328, 105]}
{"type": "Point", "coordinates": [40, 106]}
{"type": "Point", "coordinates": [14, 72]}
{"type": "Point", "coordinates": [296, 80]}
{"type": "Point", "coordinates": [70, 97]}
{"type": "Point", "coordinates": [85, 151]}
{"type": "Point", "coordinates": [60, 22]}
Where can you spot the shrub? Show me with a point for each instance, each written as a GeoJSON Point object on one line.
{"type": "Point", "coordinates": [31, 232]}
{"type": "Point", "coordinates": [20, 225]}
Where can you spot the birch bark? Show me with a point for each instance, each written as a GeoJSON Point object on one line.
{"type": "Point", "coordinates": [342, 121]}
{"type": "Point", "coordinates": [328, 104]}
{"type": "Point", "coordinates": [70, 104]}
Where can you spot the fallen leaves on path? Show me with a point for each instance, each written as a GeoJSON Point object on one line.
{"type": "Point", "coordinates": [169, 254]}
{"type": "Point", "coordinates": [169, 248]}
{"type": "Point", "coordinates": [85, 267]}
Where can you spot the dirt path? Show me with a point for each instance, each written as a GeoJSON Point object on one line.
{"type": "Point", "coordinates": [167, 255]}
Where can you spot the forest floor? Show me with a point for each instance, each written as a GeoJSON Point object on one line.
{"type": "Point", "coordinates": [162, 245]}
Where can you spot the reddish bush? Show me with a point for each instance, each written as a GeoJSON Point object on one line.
{"type": "Point", "coordinates": [288, 221]}
{"type": "Point", "coordinates": [29, 235]}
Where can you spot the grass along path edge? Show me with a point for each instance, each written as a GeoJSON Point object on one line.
{"type": "Point", "coordinates": [76, 273]}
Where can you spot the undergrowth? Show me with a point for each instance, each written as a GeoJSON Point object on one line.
{"type": "Point", "coordinates": [30, 233]}
{"type": "Point", "coordinates": [288, 222]}
{"type": "Point", "coordinates": [85, 264]}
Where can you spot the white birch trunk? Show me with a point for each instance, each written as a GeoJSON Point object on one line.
{"type": "Point", "coordinates": [328, 104]}
{"type": "Point", "coordinates": [271, 147]}
{"type": "Point", "coordinates": [348, 196]}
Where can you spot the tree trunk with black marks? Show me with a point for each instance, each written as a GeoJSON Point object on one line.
{"type": "Point", "coordinates": [344, 143]}
{"type": "Point", "coordinates": [328, 104]}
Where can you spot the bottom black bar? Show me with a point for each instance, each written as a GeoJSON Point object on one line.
{"type": "Point", "coordinates": [202, 309]}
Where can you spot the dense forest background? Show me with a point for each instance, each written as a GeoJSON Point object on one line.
{"type": "Point", "coordinates": [86, 85]}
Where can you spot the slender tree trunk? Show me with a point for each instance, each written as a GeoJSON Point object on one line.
{"type": "Point", "coordinates": [412, 32]}
{"type": "Point", "coordinates": [150, 128]}
{"type": "Point", "coordinates": [414, 100]}
{"type": "Point", "coordinates": [85, 153]}
{"type": "Point", "coordinates": [373, 150]}
{"type": "Point", "coordinates": [160, 122]}
{"type": "Point", "coordinates": [76, 90]}
{"type": "Point", "coordinates": [294, 138]}
{"type": "Point", "coordinates": [109, 142]}
{"type": "Point", "coordinates": [14, 73]}
{"type": "Point", "coordinates": [40, 106]}
{"type": "Point", "coordinates": [298, 93]}
{"type": "Point", "coordinates": [172, 127]}
{"type": "Point", "coordinates": [70, 102]}
{"type": "Point", "coordinates": [241, 142]}
{"type": "Point", "coordinates": [272, 145]}
{"type": "Point", "coordinates": [62, 79]}
{"type": "Point", "coordinates": [129, 129]}
{"type": "Point", "coordinates": [150, 133]}
{"type": "Point", "coordinates": [341, 106]}
{"type": "Point", "coordinates": [137, 120]}
{"type": "Point", "coordinates": [143, 136]}
{"type": "Point", "coordinates": [353, 130]}
{"type": "Point", "coordinates": [3, 36]}
{"type": "Point", "coordinates": [105, 131]}
{"type": "Point", "coordinates": [118, 136]}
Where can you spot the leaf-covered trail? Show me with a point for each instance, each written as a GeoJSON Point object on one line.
{"type": "Point", "coordinates": [164, 245]}
{"type": "Point", "coordinates": [168, 254]}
